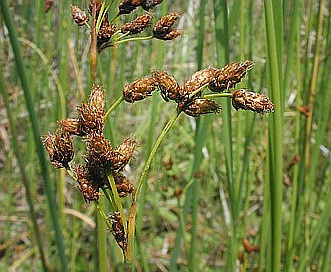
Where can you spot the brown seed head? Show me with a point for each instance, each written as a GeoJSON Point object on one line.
{"type": "Point", "coordinates": [106, 31]}
{"type": "Point", "coordinates": [118, 230]}
{"type": "Point", "coordinates": [89, 190]}
{"type": "Point", "coordinates": [167, 84]}
{"type": "Point", "coordinates": [139, 89]}
{"type": "Point", "coordinates": [123, 184]}
{"type": "Point", "coordinates": [127, 6]}
{"type": "Point", "coordinates": [202, 106]}
{"type": "Point", "coordinates": [171, 35]}
{"type": "Point", "coordinates": [90, 120]}
{"type": "Point", "coordinates": [164, 25]}
{"type": "Point", "coordinates": [245, 100]}
{"type": "Point", "coordinates": [198, 80]}
{"type": "Point", "coordinates": [79, 16]}
{"type": "Point", "coordinates": [99, 147]}
{"type": "Point", "coordinates": [122, 154]}
{"type": "Point", "coordinates": [97, 98]}
{"type": "Point", "coordinates": [137, 25]}
{"type": "Point", "coordinates": [70, 125]}
{"type": "Point", "coordinates": [149, 4]}
{"type": "Point", "coordinates": [59, 147]}
{"type": "Point", "coordinates": [228, 76]}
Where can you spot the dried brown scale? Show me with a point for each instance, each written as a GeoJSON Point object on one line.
{"type": "Point", "coordinates": [98, 5]}
{"type": "Point", "coordinates": [127, 6]}
{"type": "Point", "coordinates": [149, 4]}
{"type": "Point", "coordinates": [78, 15]}
{"type": "Point", "coordinates": [122, 154]}
{"type": "Point", "coordinates": [164, 25]}
{"type": "Point", "coordinates": [105, 33]}
{"type": "Point", "coordinates": [90, 120]}
{"type": "Point", "coordinates": [97, 171]}
{"type": "Point", "coordinates": [228, 76]}
{"type": "Point", "coordinates": [59, 147]}
{"type": "Point", "coordinates": [118, 230]}
{"type": "Point", "coordinates": [139, 89]}
{"type": "Point", "coordinates": [201, 106]}
{"type": "Point", "coordinates": [137, 25]}
{"type": "Point", "coordinates": [173, 34]}
{"type": "Point", "coordinates": [99, 147]}
{"type": "Point", "coordinates": [70, 125]}
{"type": "Point", "coordinates": [246, 100]}
{"type": "Point", "coordinates": [197, 81]}
{"type": "Point", "coordinates": [167, 84]}
{"type": "Point", "coordinates": [123, 185]}
{"type": "Point", "coordinates": [89, 190]}
{"type": "Point", "coordinates": [97, 98]}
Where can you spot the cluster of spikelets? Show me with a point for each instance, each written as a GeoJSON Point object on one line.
{"type": "Point", "coordinates": [109, 32]}
{"type": "Point", "coordinates": [188, 96]}
{"type": "Point", "coordinates": [101, 160]}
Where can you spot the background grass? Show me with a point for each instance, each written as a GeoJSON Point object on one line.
{"type": "Point", "coordinates": [225, 164]}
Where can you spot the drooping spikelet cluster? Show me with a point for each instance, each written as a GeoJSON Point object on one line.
{"type": "Point", "coordinates": [101, 160]}
{"type": "Point", "coordinates": [189, 95]}
{"type": "Point", "coordinates": [108, 33]}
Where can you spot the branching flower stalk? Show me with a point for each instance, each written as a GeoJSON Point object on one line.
{"type": "Point", "coordinates": [102, 175]}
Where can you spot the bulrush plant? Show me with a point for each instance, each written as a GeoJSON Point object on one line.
{"type": "Point", "coordinates": [102, 174]}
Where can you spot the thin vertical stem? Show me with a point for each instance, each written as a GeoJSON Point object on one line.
{"type": "Point", "coordinates": [275, 133]}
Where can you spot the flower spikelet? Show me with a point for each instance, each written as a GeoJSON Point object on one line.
{"type": "Point", "coordinates": [202, 106]}
{"type": "Point", "coordinates": [70, 125]}
{"type": "Point", "coordinates": [124, 185]}
{"type": "Point", "coordinates": [89, 190]}
{"type": "Point", "coordinates": [91, 115]}
{"type": "Point", "coordinates": [127, 6]}
{"type": "Point", "coordinates": [106, 31]}
{"type": "Point", "coordinates": [98, 5]}
{"type": "Point", "coordinates": [137, 25]}
{"type": "Point", "coordinates": [79, 16]}
{"type": "Point", "coordinates": [139, 89]}
{"type": "Point", "coordinates": [167, 84]}
{"type": "Point", "coordinates": [99, 147]}
{"type": "Point", "coordinates": [149, 4]}
{"type": "Point", "coordinates": [246, 100]}
{"type": "Point", "coordinates": [228, 76]}
{"type": "Point", "coordinates": [118, 230]}
{"type": "Point", "coordinates": [122, 154]}
{"type": "Point", "coordinates": [59, 147]}
{"type": "Point", "coordinates": [164, 26]}
{"type": "Point", "coordinates": [197, 81]}
{"type": "Point", "coordinates": [172, 34]}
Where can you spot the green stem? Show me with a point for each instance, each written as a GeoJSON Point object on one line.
{"type": "Point", "coordinates": [153, 152]}
{"type": "Point", "coordinates": [276, 135]}
{"type": "Point", "coordinates": [114, 106]}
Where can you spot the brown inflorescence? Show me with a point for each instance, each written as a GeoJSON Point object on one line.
{"type": "Point", "coordinates": [127, 6]}
{"type": "Point", "coordinates": [201, 106]}
{"type": "Point", "coordinates": [106, 31]}
{"type": "Point", "coordinates": [149, 4]}
{"type": "Point", "coordinates": [59, 147]}
{"type": "Point", "coordinates": [137, 25]}
{"type": "Point", "coordinates": [123, 185]}
{"type": "Point", "coordinates": [118, 231]}
{"type": "Point", "coordinates": [163, 28]}
{"type": "Point", "coordinates": [139, 89]}
{"type": "Point", "coordinates": [167, 84]}
{"type": "Point", "coordinates": [246, 100]}
{"type": "Point", "coordinates": [87, 186]}
{"type": "Point", "coordinates": [79, 16]}
{"type": "Point", "coordinates": [122, 154]}
{"type": "Point", "coordinates": [228, 76]}
{"type": "Point", "coordinates": [48, 5]}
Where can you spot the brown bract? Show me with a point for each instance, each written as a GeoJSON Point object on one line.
{"type": "Point", "coordinates": [78, 15]}
{"type": "Point", "coordinates": [139, 89]}
{"type": "Point", "coordinates": [246, 100]}
{"type": "Point", "coordinates": [228, 76]}
{"type": "Point", "coordinates": [201, 106]}
{"type": "Point", "coordinates": [163, 27]}
{"type": "Point", "coordinates": [59, 147]}
{"type": "Point", "coordinates": [167, 84]}
{"type": "Point", "coordinates": [137, 25]}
